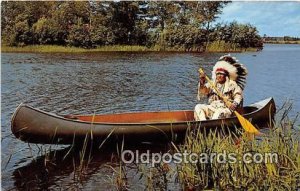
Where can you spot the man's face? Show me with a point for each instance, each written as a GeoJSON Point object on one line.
{"type": "Point", "coordinates": [220, 78]}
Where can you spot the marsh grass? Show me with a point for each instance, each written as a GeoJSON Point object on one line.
{"type": "Point", "coordinates": [42, 49]}
{"type": "Point", "coordinates": [158, 177]}
{"type": "Point", "coordinates": [284, 174]}
{"type": "Point", "coordinates": [212, 47]}
{"type": "Point", "coordinates": [67, 49]}
{"type": "Point", "coordinates": [118, 179]}
{"type": "Point", "coordinates": [79, 160]}
{"type": "Point", "coordinates": [221, 46]}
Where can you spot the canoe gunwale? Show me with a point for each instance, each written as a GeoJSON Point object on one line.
{"type": "Point", "coordinates": [37, 126]}
{"type": "Point", "coordinates": [259, 107]}
{"type": "Point", "coordinates": [14, 116]}
{"type": "Point", "coordinates": [256, 105]}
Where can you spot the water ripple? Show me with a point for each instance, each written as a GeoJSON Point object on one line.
{"type": "Point", "coordinates": [112, 83]}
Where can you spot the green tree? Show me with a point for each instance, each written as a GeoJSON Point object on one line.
{"type": "Point", "coordinates": [207, 12]}
{"type": "Point", "coordinates": [179, 37]}
{"type": "Point", "coordinates": [123, 16]}
{"type": "Point", "coordinates": [185, 25]}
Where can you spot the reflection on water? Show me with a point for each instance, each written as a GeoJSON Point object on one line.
{"type": "Point", "coordinates": [66, 168]}
{"type": "Point", "coordinates": [120, 82]}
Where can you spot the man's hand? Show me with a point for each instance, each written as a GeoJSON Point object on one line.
{"type": "Point", "coordinates": [233, 106]}
{"type": "Point", "coordinates": [202, 77]}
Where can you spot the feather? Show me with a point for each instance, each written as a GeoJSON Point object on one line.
{"type": "Point", "coordinates": [236, 70]}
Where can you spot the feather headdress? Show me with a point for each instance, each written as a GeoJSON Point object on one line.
{"type": "Point", "coordinates": [236, 71]}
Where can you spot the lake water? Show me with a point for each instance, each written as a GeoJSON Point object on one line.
{"type": "Point", "coordinates": [113, 83]}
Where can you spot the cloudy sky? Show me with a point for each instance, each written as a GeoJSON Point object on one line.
{"type": "Point", "coordinates": [270, 18]}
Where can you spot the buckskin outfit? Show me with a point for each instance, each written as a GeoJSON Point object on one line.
{"type": "Point", "coordinates": [232, 89]}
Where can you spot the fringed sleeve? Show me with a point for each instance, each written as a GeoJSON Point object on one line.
{"type": "Point", "coordinates": [203, 90]}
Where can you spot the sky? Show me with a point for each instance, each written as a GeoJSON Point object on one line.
{"type": "Point", "coordinates": [270, 18]}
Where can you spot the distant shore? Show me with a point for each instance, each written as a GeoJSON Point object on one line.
{"type": "Point", "coordinates": [282, 42]}
{"type": "Point", "coordinates": [112, 48]}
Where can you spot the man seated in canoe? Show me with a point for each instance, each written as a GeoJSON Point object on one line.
{"type": "Point", "coordinates": [228, 77]}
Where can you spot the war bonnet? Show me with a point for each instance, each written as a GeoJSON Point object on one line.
{"type": "Point", "coordinates": [230, 66]}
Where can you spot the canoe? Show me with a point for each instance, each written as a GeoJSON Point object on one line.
{"type": "Point", "coordinates": [36, 126]}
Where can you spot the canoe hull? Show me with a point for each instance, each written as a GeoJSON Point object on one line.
{"type": "Point", "coordinates": [36, 126]}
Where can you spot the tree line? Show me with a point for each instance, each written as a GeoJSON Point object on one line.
{"type": "Point", "coordinates": [89, 24]}
{"type": "Point", "coordinates": [281, 40]}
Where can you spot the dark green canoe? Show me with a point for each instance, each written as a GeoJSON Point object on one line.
{"type": "Point", "coordinates": [36, 126]}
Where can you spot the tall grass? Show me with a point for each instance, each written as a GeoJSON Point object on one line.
{"type": "Point", "coordinates": [212, 47]}
{"type": "Point", "coordinates": [221, 46]}
{"type": "Point", "coordinates": [282, 139]}
{"type": "Point", "coordinates": [283, 175]}
{"type": "Point", "coordinates": [41, 49]}
{"type": "Point", "coordinates": [159, 177]}
{"type": "Point", "coordinates": [279, 170]}
{"type": "Point", "coordinates": [66, 49]}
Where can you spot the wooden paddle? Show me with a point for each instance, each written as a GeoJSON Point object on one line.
{"type": "Point", "coordinates": [248, 127]}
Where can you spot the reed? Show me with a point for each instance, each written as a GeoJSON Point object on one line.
{"type": "Point", "coordinates": [281, 175]}
{"type": "Point", "coordinates": [221, 46]}
{"type": "Point", "coordinates": [158, 177]}
{"type": "Point", "coordinates": [122, 48]}
{"type": "Point", "coordinates": [67, 49]}
{"type": "Point", "coordinates": [279, 169]}
{"type": "Point", "coordinates": [212, 47]}
{"type": "Point", "coordinates": [42, 49]}
{"type": "Point", "coordinates": [118, 179]}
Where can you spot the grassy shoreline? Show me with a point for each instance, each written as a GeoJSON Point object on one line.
{"type": "Point", "coordinates": [279, 172]}
{"type": "Point", "coordinates": [282, 42]}
{"type": "Point", "coordinates": [113, 48]}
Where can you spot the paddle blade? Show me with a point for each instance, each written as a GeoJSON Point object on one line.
{"type": "Point", "coordinates": [246, 124]}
